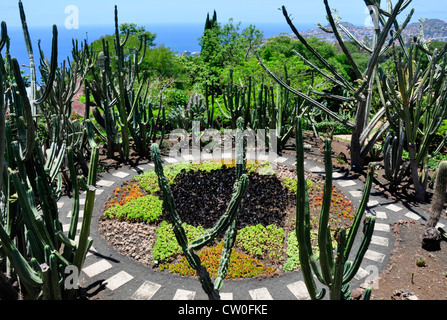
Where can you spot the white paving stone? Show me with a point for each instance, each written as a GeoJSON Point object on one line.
{"type": "Point", "coordinates": [381, 215]}
{"type": "Point", "coordinates": [412, 215]}
{"type": "Point", "coordinates": [361, 273]}
{"type": "Point", "coordinates": [226, 296]}
{"type": "Point", "coordinates": [181, 294]}
{"type": "Point", "coordinates": [118, 280]}
{"type": "Point", "coordinates": [120, 174]}
{"type": "Point", "coordinates": [372, 203]}
{"type": "Point", "coordinates": [346, 183]}
{"type": "Point", "coordinates": [374, 256]}
{"type": "Point", "coordinates": [356, 193]}
{"type": "Point", "coordinates": [316, 169]}
{"type": "Point", "coordinates": [394, 208]}
{"type": "Point", "coordinates": [97, 268]}
{"type": "Point", "coordinates": [380, 241]}
{"type": "Point", "coordinates": [337, 175]}
{"type": "Point", "coordinates": [299, 290]}
{"type": "Point", "coordinates": [137, 169]}
{"type": "Point", "coordinates": [281, 159]}
{"type": "Point", "coordinates": [170, 160]}
{"type": "Point", "coordinates": [382, 227]}
{"type": "Point", "coordinates": [260, 294]}
{"type": "Point", "coordinates": [188, 157]}
{"type": "Point", "coordinates": [146, 291]}
{"type": "Point", "coordinates": [92, 249]}
{"type": "Point", "coordinates": [206, 156]}
{"type": "Point", "coordinates": [104, 183]}
{"type": "Point", "coordinates": [60, 204]}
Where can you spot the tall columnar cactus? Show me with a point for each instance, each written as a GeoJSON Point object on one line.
{"type": "Point", "coordinates": [432, 236]}
{"type": "Point", "coordinates": [227, 223]}
{"type": "Point", "coordinates": [415, 96]}
{"type": "Point", "coordinates": [361, 93]}
{"type": "Point", "coordinates": [395, 166]}
{"type": "Point", "coordinates": [114, 92]}
{"type": "Point", "coordinates": [334, 270]}
{"type": "Point", "coordinates": [37, 249]}
{"type": "Point", "coordinates": [41, 268]}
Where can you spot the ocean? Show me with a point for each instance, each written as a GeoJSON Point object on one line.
{"type": "Point", "coordinates": [177, 37]}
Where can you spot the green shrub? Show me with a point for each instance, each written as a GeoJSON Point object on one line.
{"type": "Point", "coordinates": [293, 260]}
{"type": "Point", "coordinates": [166, 245]}
{"type": "Point", "coordinates": [144, 209]}
{"type": "Point", "coordinates": [291, 184]}
{"type": "Point", "coordinates": [292, 251]}
{"type": "Point", "coordinates": [148, 181]}
{"type": "Point", "coordinates": [261, 241]}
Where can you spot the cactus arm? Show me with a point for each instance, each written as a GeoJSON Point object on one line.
{"type": "Point", "coordinates": [336, 286]}
{"type": "Point", "coordinates": [303, 225]}
{"type": "Point", "coordinates": [2, 120]}
{"type": "Point", "coordinates": [305, 97]}
{"type": "Point", "coordinates": [231, 233]}
{"type": "Point", "coordinates": [29, 212]}
{"type": "Point", "coordinates": [369, 224]}
{"type": "Point", "coordinates": [26, 273]}
{"type": "Point", "coordinates": [360, 211]}
{"type": "Point", "coordinates": [53, 67]}
{"type": "Point", "coordinates": [178, 229]}
{"type": "Point", "coordinates": [3, 35]}
{"type": "Point", "coordinates": [324, 236]}
{"type": "Point", "coordinates": [314, 52]}
{"type": "Point", "coordinates": [30, 131]}
{"type": "Point", "coordinates": [85, 241]}
{"type": "Point", "coordinates": [239, 190]}
{"type": "Point", "coordinates": [29, 49]}
{"type": "Point", "coordinates": [229, 240]}
{"type": "Point", "coordinates": [340, 41]}
{"type": "Point", "coordinates": [55, 287]}
{"type": "Point", "coordinates": [229, 215]}
{"type": "Point", "coordinates": [75, 202]}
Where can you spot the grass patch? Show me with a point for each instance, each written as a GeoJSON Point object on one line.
{"type": "Point", "coordinates": [147, 209]}
{"type": "Point", "coordinates": [260, 241]}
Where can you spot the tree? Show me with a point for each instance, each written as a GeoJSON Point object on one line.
{"type": "Point", "coordinates": [225, 47]}
{"type": "Point", "coordinates": [138, 31]}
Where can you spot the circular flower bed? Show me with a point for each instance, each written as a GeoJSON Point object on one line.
{"type": "Point", "coordinates": [135, 223]}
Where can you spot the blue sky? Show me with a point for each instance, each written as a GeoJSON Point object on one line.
{"type": "Point", "coordinates": [91, 12]}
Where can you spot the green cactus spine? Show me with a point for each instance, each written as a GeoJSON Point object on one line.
{"type": "Point", "coordinates": [333, 271]}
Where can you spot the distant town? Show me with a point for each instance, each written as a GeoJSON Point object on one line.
{"type": "Point", "coordinates": [434, 29]}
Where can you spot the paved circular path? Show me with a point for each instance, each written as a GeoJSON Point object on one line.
{"type": "Point", "coordinates": [117, 277]}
